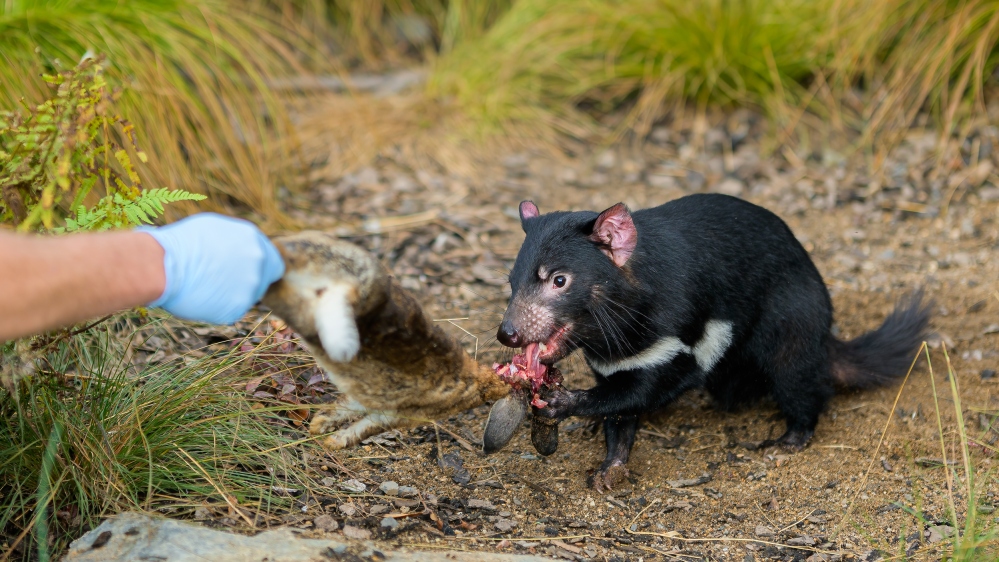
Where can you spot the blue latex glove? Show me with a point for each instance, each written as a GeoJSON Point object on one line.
{"type": "Point", "coordinates": [216, 267]}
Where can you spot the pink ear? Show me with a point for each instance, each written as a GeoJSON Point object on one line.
{"type": "Point", "coordinates": [528, 210]}
{"type": "Point", "coordinates": [615, 233]}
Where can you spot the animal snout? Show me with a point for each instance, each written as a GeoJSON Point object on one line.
{"type": "Point", "coordinates": [507, 335]}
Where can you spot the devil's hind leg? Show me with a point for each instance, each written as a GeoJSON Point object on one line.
{"type": "Point", "coordinates": [789, 347]}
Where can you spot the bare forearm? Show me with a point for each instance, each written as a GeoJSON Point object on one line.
{"type": "Point", "coordinates": [53, 281]}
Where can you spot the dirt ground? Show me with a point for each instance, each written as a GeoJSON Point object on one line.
{"type": "Point", "coordinates": [870, 485]}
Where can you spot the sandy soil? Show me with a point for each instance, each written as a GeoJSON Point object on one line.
{"type": "Point", "coordinates": [870, 484]}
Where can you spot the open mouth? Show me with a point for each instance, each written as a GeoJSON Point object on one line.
{"type": "Point", "coordinates": [554, 349]}
{"type": "Point", "coordinates": [526, 371]}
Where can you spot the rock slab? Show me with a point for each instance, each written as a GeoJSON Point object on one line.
{"type": "Point", "coordinates": [137, 536]}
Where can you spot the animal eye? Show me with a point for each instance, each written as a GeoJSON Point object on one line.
{"type": "Point", "coordinates": [559, 281]}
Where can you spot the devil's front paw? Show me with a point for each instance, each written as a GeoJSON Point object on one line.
{"type": "Point", "coordinates": [606, 477]}
{"type": "Point", "coordinates": [561, 403]}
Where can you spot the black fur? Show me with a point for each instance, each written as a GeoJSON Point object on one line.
{"type": "Point", "coordinates": [698, 258]}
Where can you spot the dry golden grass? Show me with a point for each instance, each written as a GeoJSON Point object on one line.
{"type": "Point", "coordinates": [194, 84]}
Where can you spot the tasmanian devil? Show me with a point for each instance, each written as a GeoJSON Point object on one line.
{"type": "Point", "coordinates": [705, 291]}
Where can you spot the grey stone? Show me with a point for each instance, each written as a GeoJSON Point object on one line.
{"type": "Point", "coordinates": [516, 161]}
{"type": "Point", "coordinates": [366, 176]}
{"type": "Point", "coordinates": [408, 492]}
{"type": "Point", "coordinates": [348, 509]}
{"type": "Point", "coordinates": [938, 533]}
{"type": "Point", "coordinates": [989, 194]}
{"type": "Point", "coordinates": [480, 504]}
{"type": "Point", "coordinates": [354, 486]}
{"type": "Point", "coordinates": [389, 523]}
{"type": "Point", "coordinates": [325, 523]}
{"type": "Point", "coordinates": [137, 536]}
{"type": "Point", "coordinates": [695, 179]}
{"type": "Point", "coordinates": [804, 540]}
{"type": "Point", "coordinates": [352, 532]}
{"type": "Point", "coordinates": [660, 135]}
{"type": "Point", "coordinates": [505, 525]}
{"type": "Point", "coordinates": [567, 176]}
{"type": "Point", "coordinates": [389, 488]}
{"type": "Point", "coordinates": [731, 186]}
{"type": "Point", "coordinates": [606, 160]}
{"type": "Point", "coordinates": [379, 509]}
{"type": "Point", "coordinates": [660, 180]}
{"type": "Point", "coordinates": [702, 479]}
{"type": "Point", "coordinates": [764, 531]}
{"type": "Point", "coordinates": [404, 183]}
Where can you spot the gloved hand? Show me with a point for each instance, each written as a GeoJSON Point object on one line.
{"type": "Point", "coordinates": [216, 267]}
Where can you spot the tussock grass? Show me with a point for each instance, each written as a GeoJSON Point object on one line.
{"type": "Point", "coordinates": [864, 67]}
{"type": "Point", "coordinates": [106, 438]}
{"type": "Point", "coordinates": [976, 538]}
{"type": "Point", "coordinates": [379, 33]}
{"type": "Point", "coordinates": [194, 75]}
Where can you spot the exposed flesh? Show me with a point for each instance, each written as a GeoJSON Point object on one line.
{"type": "Point", "coordinates": [527, 372]}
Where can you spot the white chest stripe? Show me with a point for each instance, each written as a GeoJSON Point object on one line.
{"type": "Point", "coordinates": [660, 353]}
{"type": "Point", "coordinates": [707, 352]}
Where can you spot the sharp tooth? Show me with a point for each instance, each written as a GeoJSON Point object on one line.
{"type": "Point", "coordinates": [543, 348]}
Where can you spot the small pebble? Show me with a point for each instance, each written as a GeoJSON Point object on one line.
{"type": "Point", "coordinates": [480, 504]}
{"type": "Point", "coordinates": [354, 486]}
{"type": "Point", "coordinates": [325, 523]}
{"type": "Point", "coordinates": [695, 180]}
{"type": "Point", "coordinates": [408, 492]}
{"type": "Point", "coordinates": [661, 181]}
{"type": "Point", "coordinates": [389, 523]}
{"type": "Point", "coordinates": [606, 160]}
{"type": "Point", "coordinates": [730, 186]}
{"type": "Point", "coordinates": [801, 541]}
{"type": "Point", "coordinates": [938, 533]}
{"type": "Point", "coordinates": [505, 525]}
{"type": "Point", "coordinates": [348, 509]}
{"type": "Point", "coordinates": [357, 533]}
{"type": "Point", "coordinates": [764, 531]}
{"type": "Point", "coordinates": [988, 374]}
{"type": "Point", "coordinates": [389, 488]}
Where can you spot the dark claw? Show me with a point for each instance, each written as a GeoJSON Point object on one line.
{"type": "Point", "coordinates": [793, 440]}
{"type": "Point", "coordinates": [604, 479]}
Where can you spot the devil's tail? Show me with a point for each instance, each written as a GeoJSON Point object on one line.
{"type": "Point", "coordinates": [883, 355]}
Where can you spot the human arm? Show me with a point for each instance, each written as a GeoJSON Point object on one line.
{"type": "Point", "coordinates": [52, 281]}
{"type": "Point", "coordinates": [206, 267]}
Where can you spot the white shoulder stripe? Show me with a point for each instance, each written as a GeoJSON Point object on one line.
{"type": "Point", "coordinates": [707, 352]}
{"type": "Point", "coordinates": [713, 345]}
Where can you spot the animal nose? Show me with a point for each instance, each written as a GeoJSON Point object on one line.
{"type": "Point", "coordinates": [507, 335]}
